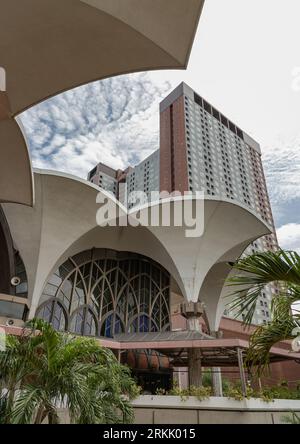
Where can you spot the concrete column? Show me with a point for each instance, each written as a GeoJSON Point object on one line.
{"type": "Point", "coordinates": [193, 312]}
{"type": "Point", "coordinates": [242, 371]}
{"type": "Point", "coordinates": [217, 385]}
{"type": "Point", "coordinates": [195, 371]}
{"type": "Point", "coordinates": [217, 381]}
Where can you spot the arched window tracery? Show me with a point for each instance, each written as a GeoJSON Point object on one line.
{"type": "Point", "coordinates": [106, 293]}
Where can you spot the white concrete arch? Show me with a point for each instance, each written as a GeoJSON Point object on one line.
{"type": "Point", "coordinates": [214, 292]}
{"type": "Point", "coordinates": [65, 210]}
{"type": "Point", "coordinates": [227, 230]}
{"type": "Point", "coordinates": [63, 223]}
{"type": "Point", "coordinates": [122, 239]}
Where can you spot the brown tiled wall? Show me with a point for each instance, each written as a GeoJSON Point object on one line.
{"type": "Point", "coordinates": [173, 148]}
{"type": "Point", "coordinates": [165, 151]}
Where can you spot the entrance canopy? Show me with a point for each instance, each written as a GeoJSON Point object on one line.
{"type": "Point", "coordinates": [214, 352]}
{"type": "Point", "coordinates": [175, 344]}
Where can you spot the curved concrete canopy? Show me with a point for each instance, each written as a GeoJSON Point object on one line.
{"type": "Point", "coordinates": [51, 46]}
{"type": "Point", "coordinates": [213, 293]}
{"type": "Point", "coordinates": [63, 223]}
{"type": "Point", "coordinates": [16, 177]}
{"type": "Point", "coordinates": [228, 228]}
{"type": "Point", "coordinates": [6, 256]}
{"type": "Point", "coordinates": [202, 262]}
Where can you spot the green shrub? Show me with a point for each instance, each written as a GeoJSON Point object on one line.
{"type": "Point", "coordinates": [233, 391]}
{"type": "Point", "coordinates": [267, 394]}
{"type": "Point", "coordinates": [200, 393]}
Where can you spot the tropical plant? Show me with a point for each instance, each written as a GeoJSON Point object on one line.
{"type": "Point", "coordinates": [201, 392]}
{"type": "Point", "coordinates": [44, 370]}
{"type": "Point", "coordinates": [233, 390]}
{"type": "Point", "coordinates": [254, 273]}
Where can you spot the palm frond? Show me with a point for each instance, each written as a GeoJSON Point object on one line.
{"type": "Point", "coordinates": [43, 369]}
{"type": "Point", "coordinates": [255, 272]}
{"type": "Point", "coordinates": [263, 339]}
{"type": "Point", "coordinates": [26, 405]}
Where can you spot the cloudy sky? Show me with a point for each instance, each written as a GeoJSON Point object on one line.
{"type": "Point", "coordinates": [245, 61]}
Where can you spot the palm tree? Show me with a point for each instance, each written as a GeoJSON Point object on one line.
{"type": "Point", "coordinates": [254, 273]}
{"type": "Point", "coordinates": [44, 370]}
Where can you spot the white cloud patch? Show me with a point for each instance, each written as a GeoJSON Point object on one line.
{"type": "Point", "coordinates": [282, 167]}
{"type": "Point", "coordinates": [289, 237]}
{"type": "Point", "coordinates": [114, 121]}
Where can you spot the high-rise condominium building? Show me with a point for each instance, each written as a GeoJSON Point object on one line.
{"type": "Point", "coordinates": [105, 177]}
{"type": "Point", "coordinates": [144, 178]}
{"type": "Point", "coordinates": [200, 150]}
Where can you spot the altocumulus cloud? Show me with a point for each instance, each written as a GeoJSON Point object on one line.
{"type": "Point", "coordinates": [282, 167]}
{"type": "Point", "coordinates": [289, 237]}
{"type": "Point", "coordinates": [114, 121]}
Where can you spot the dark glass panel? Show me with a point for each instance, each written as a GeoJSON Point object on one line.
{"type": "Point", "coordinates": [132, 308]}
{"type": "Point", "coordinates": [95, 297]}
{"type": "Point", "coordinates": [207, 106]}
{"type": "Point", "coordinates": [12, 310]}
{"type": "Point", "coordinates": [90, 328]}
{"type": "Point", "coordinates": [145, 294]}
{"type": "Point", "coordinates": [144, 324]}
{"type": "Point", "coordinates": [50, 290]}
{"type": "Point", "coordinates": [118, 326]}
{"type": "Point", "coordinates": [58, 317]}
{"type": "Point", "coordinates": [107, 304]}
{"type": "Point", "coordinates": [79, 296]}
{"type": "Point", "coordinates": [198, 100]}
{"type": "Point", "coordinates": [77, 322]}
{"type": "Point", "coordinates": [46, 312]}
{"type": "Point", "coordinates": [107, 327]}
{"type": "Point", "coordinates": [156, 312]}
{"type": "Point", "coordinates": [121, 307]}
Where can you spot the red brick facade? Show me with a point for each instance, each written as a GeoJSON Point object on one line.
{"type": "Point", "coordinates": [173, 150]}
{"type": "Point", "coordinates": [165, 151]}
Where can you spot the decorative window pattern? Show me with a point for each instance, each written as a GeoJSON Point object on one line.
{"type": "Point", "coordinates": [22, 288]}
{"type": "Point", "coordinates": [105, 293]}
